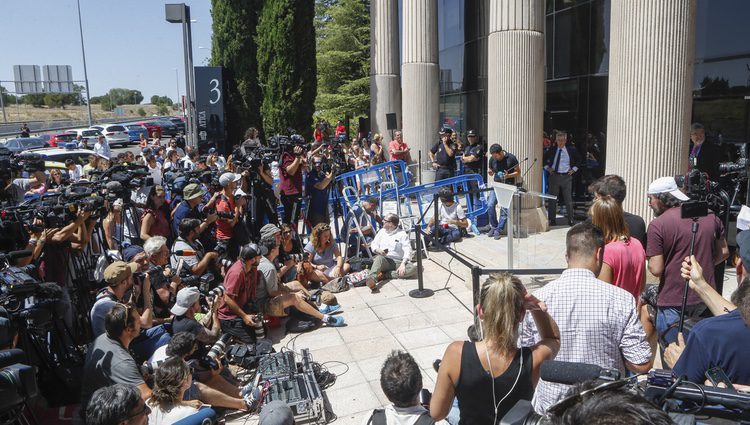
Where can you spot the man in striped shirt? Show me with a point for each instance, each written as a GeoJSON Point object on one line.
{"type": "Point", "coordinates": [598, 322]}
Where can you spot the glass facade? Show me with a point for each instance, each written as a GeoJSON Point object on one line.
{"type": "Point", "coordinates": [576, 75]}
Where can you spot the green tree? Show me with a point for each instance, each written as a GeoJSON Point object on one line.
{"type": "Point", "coordinates": [163, 109]}
{"type": "Point", "coordinates": [96, 100]}
{"type": "Point", "coordinates": [141, 112]}
{"type": "Point", "coordinates": [7, 98]}
{"type": "Point", "coordinates": [56, 100]}
{"type": "Point", "coordinates": [161, 100]}
{"type": "Point", "coordinates": [120, 96]}
{"type": "Point", "coordinates": [233, 46]}
{"type": "Point", "coordinates": [286, 65]}
{"type": "Point", "coordinates": [36, 100]}
{"type": "Point", "coordinates": [343, 60]}
{"type": "Point", "coordinates": [106, 104]}
{"type": "Point", "coordinates": [155, 99]}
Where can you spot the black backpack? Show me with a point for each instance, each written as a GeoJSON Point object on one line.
{"type": "Point", "coordinates": [378, 418]}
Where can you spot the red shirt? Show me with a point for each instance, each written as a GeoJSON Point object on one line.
{"type": "Point", "coordinates": [340, 129]}
{"type": "Point", "coordinates": [394, 145]}
{"type": "Point", "coordinates": [224, 230]}
{"type": "Point", "coordinates": [241, 285]}
{"type": "Point", "coordinates": [628, 263]}
{"type": "Point", "coordinates": [290, 184]}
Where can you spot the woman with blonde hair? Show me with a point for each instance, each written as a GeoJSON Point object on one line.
{"type": "Point", "coordinates": [624, 257]}
{"type": "Point", "coordinates": [171, 380]}
{"type": "Point", "coordinates": [488, 377]}
{"type": "Point", "coordinates": [376, 149]}
{"type": "Point", "coordinates": [325, 255]}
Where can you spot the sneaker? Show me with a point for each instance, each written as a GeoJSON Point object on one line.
{"type": "Point", "coordinates": [328, 309]}
{"type": "Point", "coordinates": [497, 235]}
{"type": "Point", "coordinates": [485, 229]}
{"type": "Point", "coordinates": [335, 321]}
{"type": "Point", "coordinates": [252, 400]}
{"type": "Point", "coordinates": [247, 389]}
{"type": "Point", "coordinates": [492, 233]}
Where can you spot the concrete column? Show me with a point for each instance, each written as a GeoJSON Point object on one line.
{"type": "Point", "coordinates": [385, 80]}
{"type": "Point", "coordinates": [516, 89]}
{"type": "Point", "coordinates": [421, 78]}
{"type": "Point", "coordinates": [652, 44]}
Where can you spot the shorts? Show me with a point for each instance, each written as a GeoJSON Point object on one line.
{"type": "Point", "coordinates": [274, 307]}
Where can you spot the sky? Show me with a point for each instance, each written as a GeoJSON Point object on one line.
{"type": "Point", "coordinates": [128, 43]}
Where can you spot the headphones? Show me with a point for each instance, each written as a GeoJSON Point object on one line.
{"type": "Point", "coordinates": [249, 251]}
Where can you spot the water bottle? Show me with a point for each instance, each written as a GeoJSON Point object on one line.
{"type": "Point", "coordinates": [260, 332]}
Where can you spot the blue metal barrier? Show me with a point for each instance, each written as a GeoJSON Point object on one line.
{"type": "Point", "coordinates": [424, 194]}
{"type": "Point", "coordinates": [386, 171]}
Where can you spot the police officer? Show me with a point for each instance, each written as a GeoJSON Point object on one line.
{"type": "Point", "coordinates": [443, 156]}
{"type": "Point", "coordinates": [473, 158]}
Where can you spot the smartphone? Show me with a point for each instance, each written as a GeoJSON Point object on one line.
{"type": "Point", "coordinates": [716, 375]}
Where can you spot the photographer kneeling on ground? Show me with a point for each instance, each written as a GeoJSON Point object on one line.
{"type": "Point", "coordinates": [273, 298]}
{"type": "Point", "coordinates": [720, 341]}
{"type": "Point", "coordinates": [108, 360]}
{"type": "Point", "coordinates": [392, 250]}
{"type": "Point", "coordinates": [117, 404]}
{"type": "Point", "coordinates": [121, 290]}
{"type": "Point", "coordinates": [401, 382]}
{"type": "Point", "coordinates": [189, 249]}
{"type": "Point", "coordinates": [211, 383]}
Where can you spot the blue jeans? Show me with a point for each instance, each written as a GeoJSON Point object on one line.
{"type": "Point", "coordinates": [445, 236]}
{"type": "Point", "coordinates": [454, 415]}
{"type": "Point", "coordinates": [492, 213]}
{"type": "Point", "coordinates": [205, 415]}
{"type": "Point", "coordinates": [666, 317]}
{"type": "Point", "coordinates": [148, 341]}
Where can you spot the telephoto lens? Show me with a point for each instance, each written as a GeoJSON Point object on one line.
{"type": "Point", "coordinates": [215, 293]}
{"type": "Point", "coordinates": [217, 350]}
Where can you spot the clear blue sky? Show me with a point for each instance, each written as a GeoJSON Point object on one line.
{"type": "Point", "coordinates": [128, 43]}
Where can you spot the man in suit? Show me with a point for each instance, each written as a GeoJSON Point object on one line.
{"type": "Point", "coordinates": [704, 155]}
{"type": "Point", "coordinates": [561, 161]}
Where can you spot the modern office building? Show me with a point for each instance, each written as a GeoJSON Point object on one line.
{"type": "Point", "coordinates": [667, 42]}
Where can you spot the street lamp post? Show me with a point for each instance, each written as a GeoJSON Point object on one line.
{"type": "Point", "coordinates": [177, 80]}
{"type": "Point", "coordinates": [85, 72]}
{"type": "Point", "coordinates": [180, 14]}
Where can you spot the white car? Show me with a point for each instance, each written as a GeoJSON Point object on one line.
{"type": "Point", "coordinates": [89, 134]}
{"type": "Point", "coordinates": [116, 134]}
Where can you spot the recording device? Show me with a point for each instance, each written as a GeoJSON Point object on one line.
{"type": "Point", "coordinates": [215, 293]}
{"type": "Point", "coordinates": [717, 376]}
{"type": "Point", "coordinates": [212, 358]}
{"type": "Point", "coordinates": [737, 166]}
{"type": "Point", "coordinates": [425, 396]}
{"type": "Point", "coordinates": [294, 257]}
{"type": "Point", "coordinates": [660, 388]}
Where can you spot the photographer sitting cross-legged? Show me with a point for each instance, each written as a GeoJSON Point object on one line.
{"type": "Point", "coordinates": [240, 283]}
{"type": "Point", "coordinates": [164, 286]}
{"type": "Point", "coordinates": [208, 330]}
{"type": "Point", "coordinates": [325, 255]}
{"type": "Point", "coordinates": [451, 220]}
{"type": "Point", "coordinates": [121, 290]}
{"type": "Point", "coordinates": [392, 250]}
{"type": "Point", "coordinates": [273, 297]}
{"type": "Point", "coordinates": [189, 249]}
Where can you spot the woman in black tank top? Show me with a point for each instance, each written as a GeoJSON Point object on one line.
{"type": "Point", "coordinates": [489, 377]}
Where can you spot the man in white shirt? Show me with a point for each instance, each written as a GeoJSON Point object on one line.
{"type": "Point", "coordinates": [392, 251]}
{"type": "Point", "coordinates": [102, 147]}
{"type": "Point", "coordinates": [154, 169]}
{"type": "Point", "coordinates": [452, 219]}
{"type": "Point", "coordinates": [75, 171]}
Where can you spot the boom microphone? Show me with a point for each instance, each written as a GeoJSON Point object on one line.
{"type": "Point", "coordinates": [570, 373]}
{"type": "Point", "coordinates": [14, 255]}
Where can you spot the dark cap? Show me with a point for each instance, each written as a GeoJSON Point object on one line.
{"type": "Point", "coordinates": [743, 246]}
{"type": "Point", "coordinates": [446, 130]}
{"type": "Point", "coordinates": [471, 133]}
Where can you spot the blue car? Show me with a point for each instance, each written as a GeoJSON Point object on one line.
{"type": "Point", "coordinates": [135, 131]}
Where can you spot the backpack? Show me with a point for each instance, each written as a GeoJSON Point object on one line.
{"type": "Point", "coordinates": [247, 355]}
{"type": "Point", "coordinates": [378, 418]}
{"type": "Point", "coordinates": [300, 322]}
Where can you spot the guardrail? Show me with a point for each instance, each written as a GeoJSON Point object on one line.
{"type": "Point", "coordinates": [56, 125]}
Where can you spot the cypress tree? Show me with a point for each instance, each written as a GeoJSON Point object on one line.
{"type": "Point", "coordinates": [344, 60]}
{"type": "Point", "coordinates": [286, 65]}
{"type": "Point", "coordinates": [233, 47]}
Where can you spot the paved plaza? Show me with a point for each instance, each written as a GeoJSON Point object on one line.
{"type": "Point", "coordinates": [392, 320]}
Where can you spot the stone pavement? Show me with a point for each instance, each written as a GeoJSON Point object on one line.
{"type": "Point", "coordinates": [376, 324]}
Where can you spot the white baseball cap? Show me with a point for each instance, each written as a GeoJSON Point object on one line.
{"type": "Point", "coordinates": [666, 185]}
{"type": "Point", "coordinates": [186, 297]}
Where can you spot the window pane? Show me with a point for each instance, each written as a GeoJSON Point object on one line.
{"type": "Point", "coordinates": [722, 28]}
{"type": "Point", "coordinates": [600, 13]}
{"type": "Point", "coordinates": [572, 42]}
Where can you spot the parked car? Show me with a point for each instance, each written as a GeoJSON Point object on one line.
{"type": "Point", "coordinates": [153, 128]}
{"type": "Point", "coordinates": [167, 127]}
{"type": "Point", "coordinates": [21, 144]}
{"type": "Point", "coordinates": [88, 134]}
{"type": "Point", "coordinates": [56, 157]}
{"type": "Point", "coordinates": [55, 138]}
{"type": "Point", "coordinates": [116, 134]}
{"type": "Point", "coordinates": [135, 131]}
{"type": "Point", "coordinates": [179, 122]}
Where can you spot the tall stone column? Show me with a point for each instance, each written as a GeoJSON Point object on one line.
{"type": "Point", "coordinates": [421, 78]}
{"type": "Point", "coordinates": [652, 44]}
{"type": "Point", "coordinates": [515, 86]}
{"type": "Point", "coordinates": [385, 80]}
